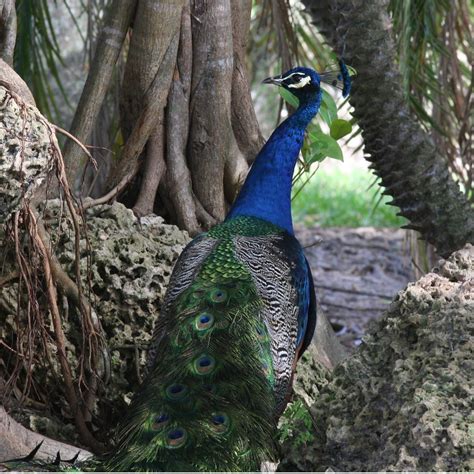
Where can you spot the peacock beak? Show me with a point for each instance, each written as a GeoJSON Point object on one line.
{"type": "Point", "coordinates": [277, 80]}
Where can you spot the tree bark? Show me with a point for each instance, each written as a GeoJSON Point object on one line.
{"type": "Point", "coordinates": [401, 153]}
{"type": "Point", "coordinates": [154, 29]}
{"type": "Point", "coordinates": [155, 25]}
{"type": "Point", "coordinates": [17, 441]}
{"type": "Point", "coordinates": [210, 112]}
{"type": "Point", "coordinates": [244, 121]}
{"type": "Point", "coordinates": [15, 83]}
{"type": "Point", "coordinates": [108, 49]}
{"type": "Point", "coordinates": [178, 175]}
{"type": "Point", "coordinates": [7, 30]}
{"type": "Point", "coordinates": [146, 122]}
{"type": "Point", "coordinates": [154, 168]}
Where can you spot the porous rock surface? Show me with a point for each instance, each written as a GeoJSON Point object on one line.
{"type": "Point", "coordinates": [130, 265]}
{"type": "Point", "coordinates": [25, 157]}
{"type": "Point", "coordinates": [403, 401]}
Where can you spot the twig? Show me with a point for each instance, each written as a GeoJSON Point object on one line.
{"type": "Point", "coordinates": [84, 432]}
{"type": "Point", "coordinates": [115, 191]}
{"type": "Point", "coordinates": [78, 142]}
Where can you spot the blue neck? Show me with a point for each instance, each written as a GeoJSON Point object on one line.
{"type": "Point", "coordinates": [266, 193]}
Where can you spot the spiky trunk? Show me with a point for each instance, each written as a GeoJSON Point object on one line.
{"type": "Point", "coordinates": [400, 152]}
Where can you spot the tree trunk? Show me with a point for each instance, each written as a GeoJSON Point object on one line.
{"type": "Point", "coordinates": [401, 153]}
{"type": "Point", "coordinates": [196, 112]}
{"type": "Point", "coordinates": [7, 30]}
{"type": "Point", "coordinates": [244, 121]}
{"type": "Point", "coordinates": [109, 45]}
{"type": "Point", "coordinates": [210, 113]}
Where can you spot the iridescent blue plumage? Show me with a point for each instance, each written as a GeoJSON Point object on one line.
{"type": "Point", "coordinates": [266, 193]}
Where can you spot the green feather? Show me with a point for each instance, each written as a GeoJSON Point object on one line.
{"type": "Point", "coordinates": [208, 402]}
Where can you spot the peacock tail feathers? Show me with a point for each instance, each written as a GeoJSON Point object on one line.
{"type": "Point", "coordinates": [209, 399]}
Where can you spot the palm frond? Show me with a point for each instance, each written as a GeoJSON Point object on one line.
{"type": "Point", "coordinates": [38, 53]}
{"type": "Point", "coordinates": [435, 51]}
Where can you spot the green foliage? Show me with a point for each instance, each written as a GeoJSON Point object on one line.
{"type": "Point", "coordinates": [289, 97]}
{"type": "Point", "coordinates": [340, 128]}
{"type": "Point", "coordinates": [435, 52]}
{"type": "Point", "coordinates": [296, 425]}
{"type": "Point", "coordinates": [334, 198]}
{"type": "Point", "coordinates": [323, 145]}
{"type": "Point", "coordinates": [38, 53]}
{"type": "Point", "coordinates": [319, 145]}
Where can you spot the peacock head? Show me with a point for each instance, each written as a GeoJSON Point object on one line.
{"type": "Point", "coordinates": [303, 82]}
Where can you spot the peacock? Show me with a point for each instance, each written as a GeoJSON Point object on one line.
{"type": "Point", "coordinates": [239, 311]}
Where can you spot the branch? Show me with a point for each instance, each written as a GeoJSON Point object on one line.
{"type": "Point", "coordinates": [7, 30]}
{"type": "Point", "coordinates": [109, 45]}
{"type": "Point", "coordinates": [113, 193]}
{"type": "Point", "coordinates": [17, 441]}
{"type": "Point", "coordinates": [14, 83]}
{"type": "Point", "coordinates": [77, 142]}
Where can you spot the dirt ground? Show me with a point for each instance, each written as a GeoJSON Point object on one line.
{"type": "Point", "coordinates": [357, 272]}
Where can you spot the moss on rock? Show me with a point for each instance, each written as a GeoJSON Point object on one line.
{"type": "Point", "coordinates": [403, 401]}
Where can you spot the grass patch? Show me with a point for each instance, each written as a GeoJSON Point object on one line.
{"type": "Point", "coordinates": [334, 198]}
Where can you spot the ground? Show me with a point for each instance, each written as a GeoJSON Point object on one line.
{"type": "Point", "coordinates": [357, 272]}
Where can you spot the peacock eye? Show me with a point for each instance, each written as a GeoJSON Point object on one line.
{"type": "Point", "coordinates": [297, 79]}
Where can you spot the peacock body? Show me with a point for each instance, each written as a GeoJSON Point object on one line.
{"type": "Point", "coordinates": [224, 353]}
{"type": "Point", "coordinates": [239, 311]}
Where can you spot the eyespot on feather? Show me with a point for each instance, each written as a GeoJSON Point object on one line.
{"type": "Point", "coordinates": [220, 423]}
{"type": "Point", "coordinates": [204, 321]}
{"type": "Point", "coordinates": [218, 295]}
{"type": "Point", "coordinates": [160, 421]}
{"type": "Point", "coordinates": [204, 364]}
{"type": "Point", "coordinates": [176, 391]}
{"type": "Point", "coordinates": [176, 438]}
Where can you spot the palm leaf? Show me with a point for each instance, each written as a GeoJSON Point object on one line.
{"type": "Point", "coordinates": [38, 53]}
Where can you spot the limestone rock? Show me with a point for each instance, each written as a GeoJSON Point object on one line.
{"type": "Point", "coordinates": [403, 401]}
{"type": "Point", "coordinates": [130, 265]}
{"type": "Point", "coordinates": [25, 158]}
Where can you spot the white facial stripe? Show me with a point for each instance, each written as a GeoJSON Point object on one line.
{"type": "Point", "coordinates": [305, 81]}
{"type": "Point", "coordinates": [293, 74]}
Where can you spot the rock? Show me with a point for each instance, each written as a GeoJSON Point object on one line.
{"type": "Point", "coordinates": [25, 153]}
{"type": "Point", "coordinates": [403, 401]}
{"type": "Point", "coordinates": [129, 264]}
